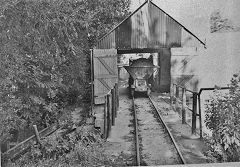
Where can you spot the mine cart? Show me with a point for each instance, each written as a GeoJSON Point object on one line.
{"type": "Point", "coordinates": [140, 72]}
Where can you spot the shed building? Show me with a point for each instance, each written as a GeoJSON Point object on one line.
{"type": "Point", "coordinates": [149, 29]}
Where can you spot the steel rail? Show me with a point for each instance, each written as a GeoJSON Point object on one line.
{"type": "Point", "coordinates": [136, 134]}
{"type": "Point", "coordinates": [169, 133]}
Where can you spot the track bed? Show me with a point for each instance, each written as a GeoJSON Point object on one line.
{"type": "Point", "coordinates": [151, 146]}
{"type": "Point", "coordinates": [155, 144]}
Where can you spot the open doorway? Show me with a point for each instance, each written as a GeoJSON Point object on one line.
{"type": "Point", "coordinates": [161, 77]}
{"type": "Point", "coordinates": [127, 59]}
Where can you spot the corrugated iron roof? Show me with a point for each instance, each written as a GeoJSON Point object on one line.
{"type": "Point", "coordinates": [147, 27]}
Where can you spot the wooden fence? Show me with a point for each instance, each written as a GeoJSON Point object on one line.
{"type": "Point", "coordinates": [22, 147]}
{"type": "Point", "coordinates": [184, 100]}
{"type": "Point", "coordinates": [111, 106]}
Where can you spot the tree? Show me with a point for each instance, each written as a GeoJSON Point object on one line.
{"type": "Point", "coordinates": [220, 24]}
{"type": "Point", "coordinates": [103, 15]}
{"type": "Point", "coordinates": [44, 55]}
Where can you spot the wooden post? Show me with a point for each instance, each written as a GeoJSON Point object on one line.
{"type": "Point", "coordinates": [177, 91]}
{"type": "Point", "coordinates": [171, 98]}
{"type": "Point", "coordinates": [173, 94]}
{"type": "Point", "coordinates": [109, 123]}
{"type": "Point", "coordinates": [113, 105]}
{"type": "Point", "coordinates": [105, 128]}
{"type": "Point", "coordinates": [92, 83]}
{"type": "Point", "coordinates": [0, 154]}
{"type": "Point", "coordinates": [200, 115]}
{"type": "Point", "coordinates": [177, 99]}
{"type": "Point", "coordinates": [117, 98]}
{"type": "Point", "coordinates": [183, 106]}
{"type": "Point", "coordinates": [194, 113]}
{"type": "Point", "coordinates": [37, 134]}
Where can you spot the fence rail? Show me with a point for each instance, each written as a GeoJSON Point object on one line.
{"type": "Point", "coordinates": [181, 104]}
{"type": "Point", "coordinates": [22, 147]}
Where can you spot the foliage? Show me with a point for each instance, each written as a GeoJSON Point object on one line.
{"type": "Point", "coordinates": [37, 60]}
{"type": "Point", "coordinates": [103, 15]}
{"type": "Point", "coordinates": [223, 119]}
{"type": "Point", "coordinates": [220, 24]}
{"type": "Point", "coordinates": [81, 147]}
{"type": "Point", "coordinates": [44, 56]}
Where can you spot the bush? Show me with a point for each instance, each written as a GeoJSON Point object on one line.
{"type": "Point", "coordinates": [80, 147]}
{"type": "Point", "coordinates": [223, 119]}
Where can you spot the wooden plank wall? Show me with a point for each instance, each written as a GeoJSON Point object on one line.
{"type": "Point", "coordinates": [105, 72]}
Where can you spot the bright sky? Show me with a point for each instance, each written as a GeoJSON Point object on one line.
{"type": "Point", "coordinates": [195, 14]}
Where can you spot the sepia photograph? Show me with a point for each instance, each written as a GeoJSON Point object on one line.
{"type": "Point", "coordinates": [111, 83]}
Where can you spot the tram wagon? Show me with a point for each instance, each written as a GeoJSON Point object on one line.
{"type": "Point", "coordinates": [140, 71]}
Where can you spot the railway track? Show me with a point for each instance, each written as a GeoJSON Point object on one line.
{"type": "Point", "coordinates": [154, 143]}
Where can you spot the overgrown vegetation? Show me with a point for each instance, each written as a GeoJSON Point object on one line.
{"type": "Point", "coordinates": [45, 59]}
{"type": "Point", "coordinates": [223, 119]}
{"type": "Point", "coordinates": [79, 148]}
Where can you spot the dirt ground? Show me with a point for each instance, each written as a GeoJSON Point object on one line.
{"type": "Point", "coordinates": [191, 146]}
{"type": "Point", "coordinates": [120, 145]}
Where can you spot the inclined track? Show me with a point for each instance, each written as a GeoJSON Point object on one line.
{"type": "Point", "coordinates": [141, 116]}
